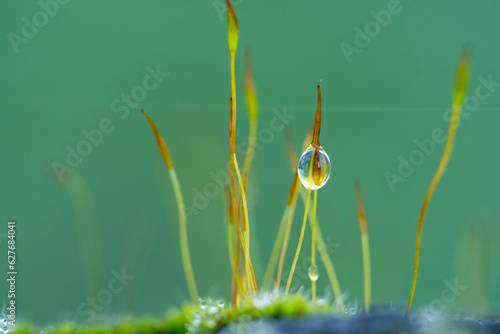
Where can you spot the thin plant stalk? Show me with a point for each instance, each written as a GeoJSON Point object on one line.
{"type": "Point", "coordinates": [230, 232]}
{"type": "Point", "coordinates": [248, 263]}
{"type": "Point", "coordinates": [316, 180]}
{"type": "Point", "coordinates": [330, 269]}
{"type": "Point", "coordinates": [186, 259]}
{"type": "Point", "coordinates": [365, 246]}
{"type": "Point", "coordinates": [252, 107]}
{"type": "Point", "coordinates": [301, 238]}
{"type": "Point", "coordinates": [245, 214]}
{"type": "Point", "coordinates": [314, 175]}
{"type": "Point", "coordinates": [314, 274]}
{"type": "Point", "coordinates": [235, 281]}
{"type": "Point", "coordinates": [233, 45]}
{"type": "Point", "coordinates": [458, 98]}
{"type": "Point", "coordinates": [237, 276]}
{"type": "Point", "coordinates": [233, 166]}
{"type": "Point", "coordinates": [292, 196]}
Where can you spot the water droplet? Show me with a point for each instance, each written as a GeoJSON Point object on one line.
{"type": "Point", "coordinates": [220, 303]}
{"type": "Point", "coordinates": [321, 302]}
{"type": "Point", "coordinates": [313, 273]}
{"type": "Point", "coordinates": [323, 168]}
{"type": "Point", "coordinates": [203, 304]}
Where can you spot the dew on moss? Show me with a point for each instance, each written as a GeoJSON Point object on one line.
{"type": "Point", "coordinates": [323, 168]}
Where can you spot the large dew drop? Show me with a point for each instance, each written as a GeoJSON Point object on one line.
{"type": "Point", "coordinates": [322, 168]}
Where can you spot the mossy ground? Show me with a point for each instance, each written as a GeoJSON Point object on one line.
{"type": "Point", "coordinates": [197, 320]}
{"type": "Point", "coordinates": [276, 313]}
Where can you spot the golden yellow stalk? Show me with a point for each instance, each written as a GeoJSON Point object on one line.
{"type": "Point", "coordinates": [301, 238]}
{"type": "Point", "coordinates": [234, 165]}
{"type": "Point", "coordinates": [316, 180]}
{"type": "Point", "coordinates": [292, 196]}
{"type": "Point", "coordinates": [235, 281]}
{"type": "Point", "coordinates": [459, 95]}
{"type": "Point", "coordinates": [233, 44]}
{"type": "Point", "coordinates": [245, 213]}
{"type": "Point", "coordinates": [186, 260]}
{"type": "Point", "coordinates": [313, 275]}
{"type": "Point", "coordinates": [232, 258]}
{"type": "Point", "coordinates": [323, 252]}
{"type": "Point", "coordinates": [365, 245]}
{"type": "Point", "coordinates": [287, 218]}
{"type": "Point", "coordinates": [232, 39]}
{"type": "Point", "coordinates": [241, 286]}
{"type": "Point", "coordinates": [313, 177]}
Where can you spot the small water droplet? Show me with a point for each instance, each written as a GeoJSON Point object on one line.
{"type": "Point", "coordinates": [203, 304]}
{"type": "Point", "coordinates": [321, 302]}
{"type": "Point", "coordinates": [220, 303]}
{"type": "Point", "coordinates": [323, 168]}
{"type": "Point", "coordinates": [313, 273]}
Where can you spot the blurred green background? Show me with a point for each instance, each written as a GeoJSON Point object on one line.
{"type": "Point", "coordinates": [116, 209]}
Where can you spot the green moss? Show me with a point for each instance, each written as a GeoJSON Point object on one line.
{"type": "Point", "coordinates": [208, 320]}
